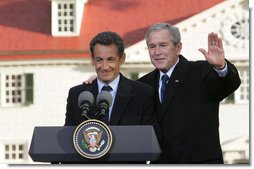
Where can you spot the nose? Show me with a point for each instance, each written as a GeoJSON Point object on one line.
{"type": "Point", "coordinates": [157, 50]}
{"type": "Point", "coordinates": [105, 65]}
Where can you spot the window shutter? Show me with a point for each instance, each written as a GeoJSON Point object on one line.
{"type": "Point", "coordinates": [230, 98]}
{"type": "Point", "coordinates": [29, 88]}
{"type": "Point", "coordinates": [134, 76]}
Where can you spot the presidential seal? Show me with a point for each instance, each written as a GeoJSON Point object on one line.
{"type": "Point", "coordinates": [92, 139]}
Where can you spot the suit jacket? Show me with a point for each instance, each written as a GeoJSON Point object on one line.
{"type": "Point", "coordinates": [134, 104]}
{"type": "Point", "coordinates": [188, 116]}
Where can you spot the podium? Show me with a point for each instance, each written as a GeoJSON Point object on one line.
{"type": "Point", "coordinates": [130, 143]}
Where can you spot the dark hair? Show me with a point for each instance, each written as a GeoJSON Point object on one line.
{"type": "Point", "coordinates": [107, 38]}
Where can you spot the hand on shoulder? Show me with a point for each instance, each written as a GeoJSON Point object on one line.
{"type": "Point", "coordinates": [90, 80]}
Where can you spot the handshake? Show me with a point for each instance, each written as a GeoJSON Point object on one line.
{"type": "Point", "coordinates": [86, 102]}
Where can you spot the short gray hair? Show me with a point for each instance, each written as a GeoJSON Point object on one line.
{"type": "Point", "coordinates": [174, 31]}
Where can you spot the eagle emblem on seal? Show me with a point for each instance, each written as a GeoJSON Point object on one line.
{"type": "Point", "coordinates": [92, 139]}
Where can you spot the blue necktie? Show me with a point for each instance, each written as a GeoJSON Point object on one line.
{"type": "Point", "coordinates": [164, 79]}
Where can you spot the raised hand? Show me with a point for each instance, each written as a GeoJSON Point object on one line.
{"type": "Point", "coordinates": [215, 55]}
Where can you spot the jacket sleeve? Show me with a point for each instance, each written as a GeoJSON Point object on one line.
{"type": "Point", "coordinates": [149, 114]}
{"type": "Point", "coordinates": [216, 87]}
{"type": "Point", "coordinates": [69, 115]}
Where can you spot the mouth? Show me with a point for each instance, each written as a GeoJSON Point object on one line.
{"type": "Point", "coordinates": [105, 74]}
{"type": "Point", "coordinates": [160, 59]}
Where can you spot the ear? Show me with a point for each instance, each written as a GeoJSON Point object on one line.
{"type": "Point", "coordinates": [122, 59]}
{"type": "Point", "coordinates": [179, 48]}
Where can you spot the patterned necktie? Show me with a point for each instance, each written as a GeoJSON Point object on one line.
{"type": "Point", "coordinates": [164, 79]}
{"type": "Point", "coordinates": [105, 119]}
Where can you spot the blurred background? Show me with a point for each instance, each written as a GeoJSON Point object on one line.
{"type": "Point", "coordinates": [44, 51]}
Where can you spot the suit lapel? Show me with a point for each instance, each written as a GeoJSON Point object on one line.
{"type": "Point", "coordinates": [122, 99]}
{"type": "Point", "coordinates": [175, 81]}
{"type": "Point", "coordinates": [93, 88]}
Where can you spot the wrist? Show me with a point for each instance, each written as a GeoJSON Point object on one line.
{"type": "Point", "coordinates": [220, 67]}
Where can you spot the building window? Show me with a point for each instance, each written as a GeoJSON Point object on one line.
{"type": "Point", "coordinates": [15, 152]}
{"type": "Point", "coordinates": [242, 93]}
{"type": "Point", "coordinates": [16, 89]}
{"type": "Point", "coordinates": [13, 89]}
{"type": "Point", "coordinates": [244, 88]}
{"type": "Point", "coordinates": [66, 17]}
{"type": "Point", "coordinates": [240, 29]}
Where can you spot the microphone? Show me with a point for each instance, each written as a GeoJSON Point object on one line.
{"type": "Point", "coordinates": [103, 102]}
{"type": "Point", "coordinates": [85, 101]}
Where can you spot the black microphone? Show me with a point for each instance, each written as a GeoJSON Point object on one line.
{"type": "Point", "coordinates": [85, 101]}
{"type": "Point", "coordinates": [103, 102]}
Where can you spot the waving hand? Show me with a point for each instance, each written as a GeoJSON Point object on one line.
{"type": "Point", "coordinates": [215, 54]}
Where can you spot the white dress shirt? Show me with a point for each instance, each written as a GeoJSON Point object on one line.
{"type": "Point", "coordinates": [114, 86]}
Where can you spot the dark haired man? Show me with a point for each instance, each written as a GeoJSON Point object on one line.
{"type": "Point", "coordinates": [133, 101]}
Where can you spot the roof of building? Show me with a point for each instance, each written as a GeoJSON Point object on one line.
{"type": "Point", "coordinates": [25, 25]}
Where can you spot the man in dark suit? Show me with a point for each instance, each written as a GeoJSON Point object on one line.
{"type": "Point", "coordinates": [133, 102]}
{"type": "Point", "coordinates": [188, 112]}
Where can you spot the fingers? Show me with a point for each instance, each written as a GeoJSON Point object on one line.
{"type": "Point", "coordinates": [86, 82]}
{"type": "Point", "coordinates": [90, 80]}
{"type": "Point", "coordinates": [214, 40]}
{"type": "Point", "coordinates": [209, 40]}
{"type": "Point", "coordinates": [203, 51]}
{"type": "Point", "coordinates": [220, 43]}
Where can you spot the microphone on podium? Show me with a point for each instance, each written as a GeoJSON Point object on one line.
{"type": "Point", "coordinates": [85, 102]}
{"type": "Point", "coordinates": [103, 102]}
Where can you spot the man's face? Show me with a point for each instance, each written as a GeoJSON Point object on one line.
{"type": "Point", "coordinates": [107, 62]}
{"type": "Point", "coordinates": [163, 53]}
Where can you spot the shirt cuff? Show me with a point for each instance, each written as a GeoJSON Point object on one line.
{"type": "Point", "coordinates": [222, 72]}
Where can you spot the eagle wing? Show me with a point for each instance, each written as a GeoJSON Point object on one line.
{"type": "Point", "coordinates": [98, 137]}
{"type": "Point", "coordinates": [86, 137]}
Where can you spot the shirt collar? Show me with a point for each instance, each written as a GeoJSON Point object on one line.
{"type": "Point", "coordinates": [113, 84]}
{"type": "Point", "coordinates": [169, 72]}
